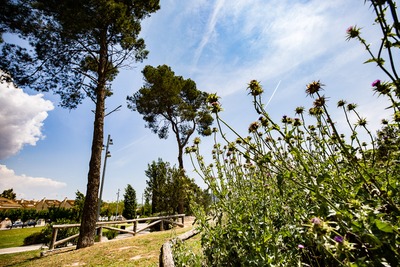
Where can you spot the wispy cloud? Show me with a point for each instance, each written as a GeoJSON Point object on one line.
{"type": "Point", "coordinates": [210, 30]}
{"type": "Point", "coordinates": [264, 40]}
{"type": "Point", "coordinates": [28, 186]}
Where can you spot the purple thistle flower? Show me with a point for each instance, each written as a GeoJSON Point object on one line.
{"type": "Point", "coordinates": [316, 220]}
{"type": "Point", "coordinates": [338, 239]}
{"type": "Point", "coordinates": [376, 83]}
{"type": "Point", "coordinates": [352, 32]}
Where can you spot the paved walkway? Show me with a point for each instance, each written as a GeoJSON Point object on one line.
{"type": "Point", "coordinates": [20, 249]}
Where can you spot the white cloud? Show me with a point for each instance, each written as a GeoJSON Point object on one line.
{"type": "Point", "coordinates": [29, 187]}
{"type": "Point", "coordinates": [21, 118]}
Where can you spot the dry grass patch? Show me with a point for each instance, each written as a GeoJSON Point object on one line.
{"type": "Point", "coordinates": [142, 250]}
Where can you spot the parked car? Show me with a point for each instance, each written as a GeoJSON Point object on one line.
{"type": "Point", "coordinates": [18, 224]}
{"type": "Point", "coordinates": [30, 223]}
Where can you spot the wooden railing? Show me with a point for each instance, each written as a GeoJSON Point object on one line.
{"type": "Point", "coordinates": [171, 219]}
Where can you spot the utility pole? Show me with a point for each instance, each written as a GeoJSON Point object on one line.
{"type": "Point", "coordinates": [108, 154]}
{"type": "Point", "coordinates": [116, 213]}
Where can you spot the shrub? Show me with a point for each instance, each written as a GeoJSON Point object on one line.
{"type": "Point", "coordinates": [110, 234]}
{"type": "Point", "coordinates": [35, 238]}
{"type": "Point", "coordinates": [46, 233]}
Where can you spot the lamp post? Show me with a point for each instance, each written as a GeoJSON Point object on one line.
{"type": "Point", "coordinates": [108, 154]}
{"type": "Point", "coordinates": [116, 213]}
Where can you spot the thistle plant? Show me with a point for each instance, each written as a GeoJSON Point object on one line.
{"type": "Point", "coordinates": [296, 191]}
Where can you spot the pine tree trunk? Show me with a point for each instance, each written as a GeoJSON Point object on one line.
{"type": "Point", "coordinates": [89, 216]}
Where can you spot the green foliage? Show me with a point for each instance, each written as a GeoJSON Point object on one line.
{"type": "Point", "coordinates": [46, 234]}
{"type": "Point", "coordinates": [110, 234]}
{"type": "Point", "coordinates": [110, 208]}
{"type": "Point", "coordinates": [168, 101]}
{"type": "Point", "coordinates": [156, 184]}
{"type": "Point", "coordinates": [184, 256]}
{"type": "Point", "coordinates": [170, 190]}
{"type": "Point", "coordinates": [78, 204]}
{"type": "Point", "coordinates": [35, 238]}
{"type": "Point", "coordinates": [130, 203]}
{"type": "Point", "coordinates": [9, 193]}
{"type": "Point", "coordinates": [52, 214]}
{"type": "Point", "coordinates": [298, 192]}
{"type": "Point", "coordinates": [64, 31]}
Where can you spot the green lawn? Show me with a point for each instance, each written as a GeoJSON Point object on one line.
{"type": "Point", "coordinates": [15, 237]}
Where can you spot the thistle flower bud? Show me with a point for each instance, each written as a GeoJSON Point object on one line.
{"type": "Point", "coordinates": [313, 88]}
{"type": "Point", "coordinates": [215, 107]}
{"type": "Point", "coordinates": [316, 111]}
{"type": "Point", "coordinates": [319, 102]}
{"type": "Point", "coordinates": [254, 126]}
{"type": "Point", "coordinates": [264, 121]}
{"type": "Point", "coordinates": [351, 107]}
{"type": "Point", "coordinates": [352, 32]}
{"type": "Point", "coordinates": [284, 119]}
{"type": "Point", "coordinates": [297, 122]}
{"type": "Point", "coordinates": [341, 103]}
{"type": "Point", "coordinates": [255, 88]}
{"type": "Point", "coordinates": [211, 98]}
{"type": "Point", "coordinates": [362, 122]}
{"type": "Point", "coordinates": [299, 110]}
{"type": "Point", "coordinates": [381, 87]}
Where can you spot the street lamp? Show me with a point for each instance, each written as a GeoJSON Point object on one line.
{"type": "Point", "coordinates": [116, 213]}
{"type": "Point", "coordinates": [107, 155]}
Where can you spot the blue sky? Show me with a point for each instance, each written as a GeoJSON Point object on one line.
{"type": "Point", "coordinates": [219, 44]}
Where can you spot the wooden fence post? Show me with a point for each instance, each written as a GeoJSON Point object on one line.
{"type": "Point", "coordinates": [53, 238]}
{"type": "Point", "coordinates": [100, 233]}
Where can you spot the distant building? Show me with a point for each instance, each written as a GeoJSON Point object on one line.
{"type": "Point", "coordinates": [27, 204]}
{"type": "Point", "coordinates": [44, 204]}
{"type": "Point", "coordinates": [7, 204]}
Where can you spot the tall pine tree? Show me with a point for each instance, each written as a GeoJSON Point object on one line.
{"type": "Point", "coordinates": [78, 46]}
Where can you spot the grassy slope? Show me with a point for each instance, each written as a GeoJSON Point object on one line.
{"type": "Point", "coordinates": [15, 237]}
{"type": "Point", "coordinates": [142, 250]}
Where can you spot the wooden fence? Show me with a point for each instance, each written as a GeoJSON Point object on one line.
{"type": "Point", "coordinates": [172, 219]}
{"type": "Point", "coordinates": [166, 254]}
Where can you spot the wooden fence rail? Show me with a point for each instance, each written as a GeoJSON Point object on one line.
{"type": "Point", "coordinates": [166, 254]}
{"type": "Point", "coordinates": [171, 219]}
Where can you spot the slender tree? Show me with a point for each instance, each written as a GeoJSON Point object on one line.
{"type": "Point", "coordinates": [130, 203]}
{"type": "Point", "coordinates": [78, 204]}
{"type": "Point", "coordinates": [78, 47]}
{"type": "Point", "coordinates": [167, 101]}
{"type": "Point", "coordinates": [169, 189]}
{"type": "Point", "coordinates": [157, 177]}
